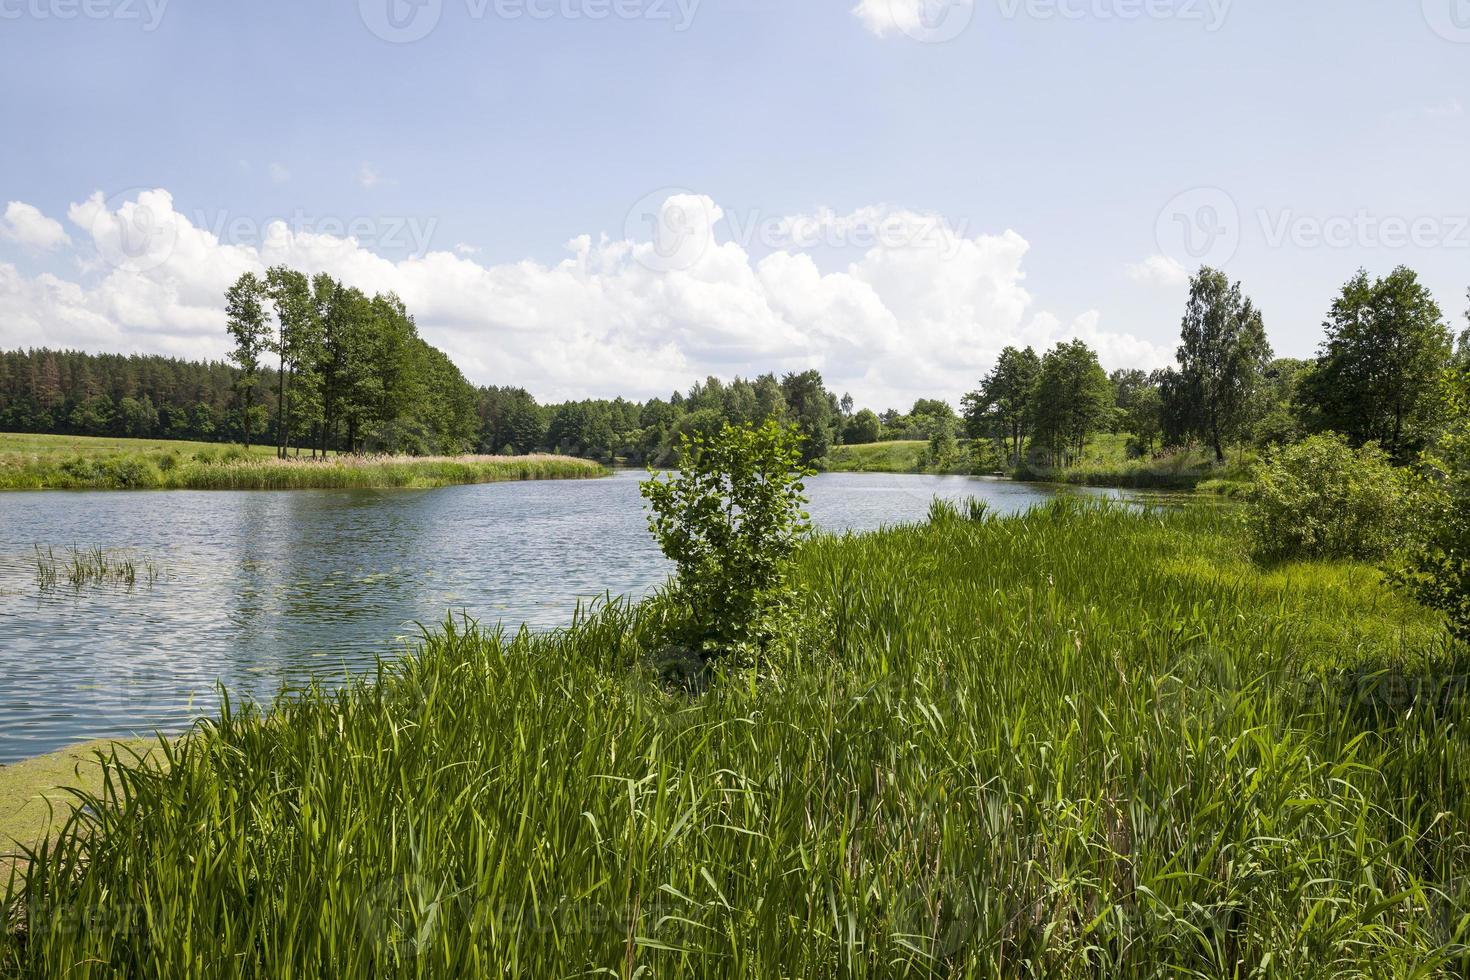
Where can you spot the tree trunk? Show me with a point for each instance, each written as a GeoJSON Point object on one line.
{"type": "Point", "coordinates": [281, 408]}
{"type": "Point", "coordinates": [286, 428]}
{"type": "Point", "coordinates": [245, 422]}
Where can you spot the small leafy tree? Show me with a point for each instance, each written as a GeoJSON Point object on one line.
{"type": "Point", "coordinates": [730, 520]}
{"type": "Point", "coordinates": [1320, 498]}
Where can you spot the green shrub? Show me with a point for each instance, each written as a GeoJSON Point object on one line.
{"type": "Point", "coordinates": [1436, 565]}
{"type": "Point", "coordinates": [129, 472]}
{"type": "Point", "coordinates": [1320, 498]}
{"type": "Point", "coordinates": [730, 521]}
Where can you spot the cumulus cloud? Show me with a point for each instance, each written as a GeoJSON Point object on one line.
{"type": "Point", "coordinates": [1158, 270]}
{"type": "Point", "coordinates": [909, 317]}
{"type": "Point", "coordinates": [25, 224]}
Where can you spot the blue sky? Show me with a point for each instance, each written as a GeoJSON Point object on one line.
{"type": "Point", "coordinates": [1051, 152]}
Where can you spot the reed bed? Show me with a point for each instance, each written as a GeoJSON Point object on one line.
{"type": "Point", "coordinates": [1089, 741]}
{"type": "Point", "coordinates": [233, 470]}
{"type": "Point", "coordinates": [94, 567]}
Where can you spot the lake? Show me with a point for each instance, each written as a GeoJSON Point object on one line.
{"type": "Point", "coordinates": [261, 590]}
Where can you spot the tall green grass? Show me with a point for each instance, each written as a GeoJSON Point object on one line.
{"type": "Point", "coordinates": [1084, 742]}
{"type": "Point", "coordinates": [1106, 465]}
{"type": "Point", "coordinates": [231, 469]}
{"type": "Point", "coordinates": [93, 567]}
{"type": "Point", "coordinates": [876, 457]}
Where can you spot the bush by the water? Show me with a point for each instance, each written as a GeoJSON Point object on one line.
{"type": "Point", "coordinates": [1320, 498]}
{"type": "Point", "coordinates": [1086, 742]}
{"type": "Point", "coordinates": [1436, 564]}
{"type": "Point", "coordinates": [730, 519]}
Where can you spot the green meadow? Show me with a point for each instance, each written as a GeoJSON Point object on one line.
{"type": "Point", "coordinates": [1090, 741]}
{"type": "Point", "coordinates": [877, 457]}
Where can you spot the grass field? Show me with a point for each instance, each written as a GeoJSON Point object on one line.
{"type": "Point", "coordinates": [1084, 742]}
{"type": "Point", "coordinates": [1105, 463]}
{"type": "Point", "coordinates": [30, 462]}
{"type": "Point", "coordinates": [27, 444]}
{"type": "Point", "coordinates": [877, 457]}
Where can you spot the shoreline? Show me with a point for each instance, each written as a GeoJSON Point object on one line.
{"type": "Point", "coordinates": [168, 471]}
{"type": "Point", "coordinates": [36, 792]}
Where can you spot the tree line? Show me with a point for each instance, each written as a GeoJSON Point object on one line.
{"type": "Point", "coordinates": [1377, 377]}
{"type": "Point", "coordinates": [351, 372]}
{"type": "Point", "coordinates": [319, 366]}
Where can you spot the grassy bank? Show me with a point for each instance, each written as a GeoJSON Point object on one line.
{"type": "Point", "coordinates": [1086, 742]}
{"type": "Point", "coordinates": [876, 457]}
{"type": "Point", "coordinates": [36, 795]}
{"type": "Point", "coordinates": [1105, 463]}
{"type": "Point", "coordinates": [64, 463]}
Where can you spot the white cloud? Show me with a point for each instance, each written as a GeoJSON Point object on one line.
{"type": "Point", "coordinates": [368, 176]}
{"type": "Point", "coordinates": [1158, 270]}
{"type": "Point", "coordinates": [903, 320]}
{"type": "Point", "coordinates": [279, 173]}
{"type": "Point", "coordinates": [25, 224]}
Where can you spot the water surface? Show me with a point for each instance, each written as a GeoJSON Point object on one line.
{"type": "Point", "coordinates": [264, 589]}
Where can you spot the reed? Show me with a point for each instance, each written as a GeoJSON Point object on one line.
{"type": "Point", "coordinates": [234, 470]}
{"type": "Point", "coordinates": [1089, 741]}
{"type": "Point", "coordinates": [93, 567]}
